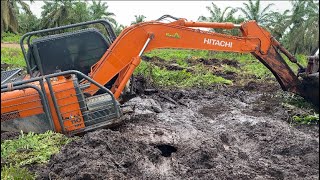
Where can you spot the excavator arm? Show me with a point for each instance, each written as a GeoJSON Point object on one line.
{"type": "Point", "coordinates": [124, 54]}
{"type": "Point", "coordinates": [57, 101]}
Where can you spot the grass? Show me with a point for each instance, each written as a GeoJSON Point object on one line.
{"type": "Point", "coordinates": [12, 56]}
{"type": "Point", "coordinates": [201, 77]}
{"type": "Point", "coordinates": [29, 149]}
{"type": "Point", "coordinates": [10, 37]}
{"type": "Point", "coordinates": [249, 65]}
{"type": "Point", "coordinates": [176, 54]}
{"type": "Point", "coordinates": [306, 112]}
{"type": "Point", "coordinates": [167, 78]}
{"type": "Point", "coordinates": [306, 119]}
{"type": "Point", "coordinates": [16, 173]}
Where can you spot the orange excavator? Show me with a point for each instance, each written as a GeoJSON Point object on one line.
{"type": "Point", "coordinates": [75, 78]}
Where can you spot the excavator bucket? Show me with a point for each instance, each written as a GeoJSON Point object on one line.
{"type": "Point", "coordinates": [310, 80]}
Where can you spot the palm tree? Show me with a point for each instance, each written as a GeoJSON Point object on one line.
{"type": "Point", "coordinates": [118, 28]}
{"type": "Point", "coordinates": [138, 19]}
{"type": "Point", "coordinates": [304, 29]}
{"type": "Point", "coordinates": [255, 12]}
{"type": "Point", "coordinates": [278, 23]}
{"type": "Point", "coordinates": [100, 10]}
{"type": "Point", "coordinates": [79, 12]}
{"type": "Point", "coordinates": [218, 15]}
{"type": "Point", "coordinates": [56, 13]}
{"type": "Point", "coordinates": [27, 22]}
{"type": "Point", "coordinates": [9, 12]}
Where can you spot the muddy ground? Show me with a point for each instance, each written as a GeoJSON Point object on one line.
{"type": "Point", "coordinates": [221, 133]}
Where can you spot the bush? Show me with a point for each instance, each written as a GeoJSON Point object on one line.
{"type": "Point", "coordinates": [12, 56]}
{"type": "Point", "coordinates": [307, 119]}
{"type": "Point", "coordinates": [28, 149]}
{"type": "Point", "coordinates": [10, 37]}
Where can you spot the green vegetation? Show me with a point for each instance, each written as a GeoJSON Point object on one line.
{"type": "Point", "coordinates": [30, 148]}
{"type": "Point", "coordinates": [138, 19]}
{"type": "Point", "coordinates": [200, 77]}
{"type": "Point", "coordinates": [248, 64]}
{"type": "Point", "coordinates": [16, 173]}
{"type": "Point", "coordinates": [174, 54]}
{"type": "Point", "coordinates": [180, 78]}
{"type": "Point", "coordinates": [297, 101]}
{"type": "Point", "coordinates": [303, 33]}
{"type": "Point", "coordinates": [296, 28]}
{"type": "Point", "coordinates": [307, 114]}
{"type": "Point", "coordinates": [12, 56]}
{"type": "Point", "coordinates": [254, 11]}
{"type": "Point", "coordinates": [306, 119]}
{"type": "Point", "coordinates": [9, 14]}
{"type": "Point", "coordinates": [219, 15]}
{"type": "Point", "coordinates": [10, 37]}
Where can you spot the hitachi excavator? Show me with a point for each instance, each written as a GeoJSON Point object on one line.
{"type": "Point", "coordinates": [76, 74]}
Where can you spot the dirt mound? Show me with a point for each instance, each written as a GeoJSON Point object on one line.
{"type": "Point", "coordinates": [103, 154]}
{"type": "Point", "coordinates": [193, 134]}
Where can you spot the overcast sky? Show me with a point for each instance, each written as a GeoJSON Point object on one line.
{"type": "Point", "coordinates": [191, 10]}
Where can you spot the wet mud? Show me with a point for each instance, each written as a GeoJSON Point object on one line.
{"type": "Point", "coordinates": [9, 135]}
{"type": "Point", "coordinates": [221, 133]}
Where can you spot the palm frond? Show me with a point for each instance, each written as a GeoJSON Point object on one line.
{"type": "Point", "coordinates": [224, 11]}
{"type": "Point", "coordinates": [202, 18]}
{"type": "Point", "coordinates": [247, 15]}
{"type": "Point", "coordinates": [25, 7]}
{"type": "Point", "coordinates": [266, 9]}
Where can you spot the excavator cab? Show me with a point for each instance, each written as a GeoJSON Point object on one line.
{"type": "Point", "coordinates": [71, 50]}
{"type": "Point", "coordinates": [68, 51]}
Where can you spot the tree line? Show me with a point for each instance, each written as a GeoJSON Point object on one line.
{"type": "Point", "coordinates": [296, 28]}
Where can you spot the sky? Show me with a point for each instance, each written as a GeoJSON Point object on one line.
{"type": "Point", "coordinates": [191, 10]}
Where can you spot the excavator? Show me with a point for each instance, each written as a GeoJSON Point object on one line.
{"type": "Point", "coordinates": [77, 73]}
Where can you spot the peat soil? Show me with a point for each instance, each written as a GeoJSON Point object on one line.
{"type": "Point", "coordinates": [218, 133]}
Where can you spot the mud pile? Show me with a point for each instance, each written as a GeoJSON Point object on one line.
{"type": "Point", "coordinates": [222, 133]}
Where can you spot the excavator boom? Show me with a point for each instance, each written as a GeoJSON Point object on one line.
{"type": "Point", "coordinates": [124, 54]}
